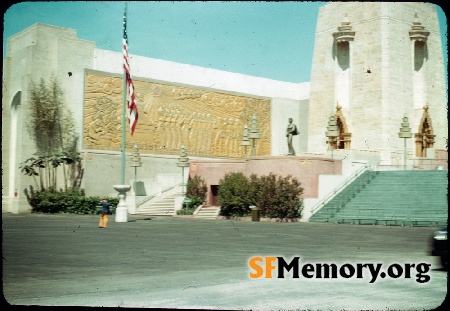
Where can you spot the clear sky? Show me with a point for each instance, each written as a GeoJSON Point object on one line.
{"type": "Point", "coordinates": [266, 39]}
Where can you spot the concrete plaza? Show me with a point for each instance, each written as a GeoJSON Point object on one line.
{"type": "Point", "coordinates": [167, 262]}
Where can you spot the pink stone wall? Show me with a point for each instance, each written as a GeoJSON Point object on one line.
{"type": "Point", "coordinates": [305, 169]}
{"type": "Point", "coordinates": [213, 171]}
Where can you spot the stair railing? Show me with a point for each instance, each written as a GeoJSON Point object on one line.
{"type": "Point", "coordinates": [157, 194]}
{"type": "Point", "coordinates": [338, 189]}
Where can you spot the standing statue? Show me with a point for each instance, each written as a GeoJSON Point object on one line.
{"type": "Point", "coordinates": [291, 131]}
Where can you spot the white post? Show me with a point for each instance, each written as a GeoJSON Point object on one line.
{"type": "Point", "coordinates": [121, 210]}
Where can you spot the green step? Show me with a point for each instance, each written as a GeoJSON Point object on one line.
{"type": "Point", "coordinates": [406, 197]}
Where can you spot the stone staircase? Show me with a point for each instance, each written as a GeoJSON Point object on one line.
{"type": "Point", "coordinates": [159, 205]}
{"type": "Point", "coordinates": [209, 212]}
{"type": "Point", "coordinates": [414, 198]}
{"type": "Point", "coordinates": [327, 212]}
{"type": "Point", "coordinates": [164, 207]}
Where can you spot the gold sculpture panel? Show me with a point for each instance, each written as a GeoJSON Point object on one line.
{"type": "Point", "coordinates": [208, 123]}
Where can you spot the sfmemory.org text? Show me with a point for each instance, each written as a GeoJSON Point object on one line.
{"type": "Point", "coordinates": [267, 265]}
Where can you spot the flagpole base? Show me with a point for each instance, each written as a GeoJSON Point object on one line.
{"type": "Point", "coordinates": [122, 210]}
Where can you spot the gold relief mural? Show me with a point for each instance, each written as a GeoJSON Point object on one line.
{"type": "Point", "coordinates": [209, 124]}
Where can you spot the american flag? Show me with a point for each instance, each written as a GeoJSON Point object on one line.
{"type": "Point", "coordinates": [131, 100]}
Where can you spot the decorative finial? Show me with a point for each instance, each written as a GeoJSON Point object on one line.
{"type": "Point", "coordinates": [418, 32]}
{"type": "Point", "coordinates": [346, 21]}
{"type": "Point", "coordinates": [344, 32]}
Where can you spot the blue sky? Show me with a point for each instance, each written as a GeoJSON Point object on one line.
{"type": "Point", "coordinates": [267, 39]}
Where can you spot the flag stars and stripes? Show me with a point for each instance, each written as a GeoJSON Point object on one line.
{"type": "Point", "coordinates": [132, 111]}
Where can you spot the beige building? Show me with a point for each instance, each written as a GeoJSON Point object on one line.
{"type": "Point", "coordinates": [373, 64]}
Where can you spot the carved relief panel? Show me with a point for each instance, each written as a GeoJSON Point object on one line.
{"type": "Point", "coordinates": [209, 124]}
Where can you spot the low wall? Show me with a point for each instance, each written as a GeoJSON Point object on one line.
{"type": "Point", "coordinates": [305, 169]}
{"type": "Point", "coordinates": [262, 219]}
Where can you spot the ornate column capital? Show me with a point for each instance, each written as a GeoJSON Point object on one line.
{"type": "Point", "coordinates": [344, 33]}
{"type": "Point", "coordinates": [418, 31]}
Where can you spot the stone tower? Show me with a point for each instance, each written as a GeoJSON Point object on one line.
{"type": "Point", "coordinates": [375, 63]}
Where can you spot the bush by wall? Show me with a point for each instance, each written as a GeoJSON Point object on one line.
{"type": "Point", "coordinates": [234, 195]}
{"type": "Point", "coordinates": [275, 196]}
{"type": "Point", "coordinates": [71, 201]}
{"type": "Point", "coordinates": [196, 190]}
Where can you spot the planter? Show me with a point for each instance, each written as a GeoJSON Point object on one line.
{"type": "Point", "coordinates": [262, 219]}
{"type": "Point", "coordinates": [122, 210]}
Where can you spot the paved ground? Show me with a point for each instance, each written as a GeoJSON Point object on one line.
{"type": "Point", "coordinates": [164, 262]}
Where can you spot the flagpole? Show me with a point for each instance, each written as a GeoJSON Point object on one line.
{"type": "Point", "coordinates": [122, 188]}
{"type": "Point", "coordinates": [124, 103]}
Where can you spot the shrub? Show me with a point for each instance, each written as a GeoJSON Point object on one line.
{"type": "Point", "coordinates": [190, 211]}
{"type": "Point", "coordinates": [286, 202]}
{"type": "Point", "coordinates": [275, 196]}
{"type": "Point", "coordinates": [71, 201]}
{"type": "Point", "coordinates": [234, 195]}
{"type": "Point", "coordinates": [196, 190]}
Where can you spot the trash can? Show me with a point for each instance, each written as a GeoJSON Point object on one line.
{"type": "Point", "coordinates": [256, 213]}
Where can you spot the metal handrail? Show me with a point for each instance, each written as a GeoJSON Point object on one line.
{"type": "Point", "coordinates": [156, 194]}
{"type": "Point", "coordinates": [338, 189]}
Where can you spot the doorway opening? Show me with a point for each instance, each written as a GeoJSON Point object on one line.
{"type": "Point", "coordinates": [214, 195]}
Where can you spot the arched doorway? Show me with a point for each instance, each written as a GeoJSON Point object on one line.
{"type": "Point", "coordinates": [425, 136]}
{"type": "Point", "coordinates": [344, 139]}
